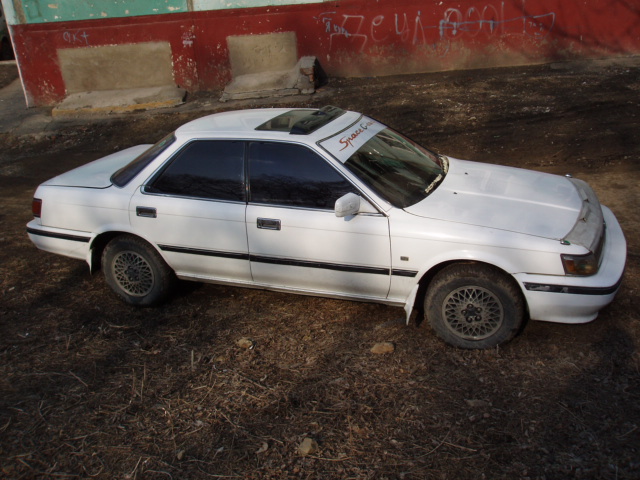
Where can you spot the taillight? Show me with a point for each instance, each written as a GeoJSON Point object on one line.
{"type": "Point", "coordinates": [36, 207]}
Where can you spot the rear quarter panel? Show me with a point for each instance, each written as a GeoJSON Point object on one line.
{"type": "Point", "coordinates": [83, 209]}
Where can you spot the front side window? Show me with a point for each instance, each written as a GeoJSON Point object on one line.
{"type": "Point", "coordinates": [293, 175]}
{"type": "Point", "coordinates": [208, 169]}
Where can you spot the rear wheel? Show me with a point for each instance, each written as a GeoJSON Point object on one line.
{"type": "Point", "coordinates": [136, 272]}
{"type": "Point", "coordinates": [474, 306]}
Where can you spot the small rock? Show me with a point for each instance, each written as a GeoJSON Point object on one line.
{"type": "Point", "coordinates": [383, 347]}
{"type": "Point", "coordinates": [308, 447]}
{"type": "Point", "coordinates": [180, 455]}
{"type": "Point", "coordinates": [245, 343]}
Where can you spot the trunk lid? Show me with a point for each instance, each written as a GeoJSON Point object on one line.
{"type": "Point", "coordinates": [97, 174]}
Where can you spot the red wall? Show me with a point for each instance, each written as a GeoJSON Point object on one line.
{"type": "Point", "coordinates": [349, 37]}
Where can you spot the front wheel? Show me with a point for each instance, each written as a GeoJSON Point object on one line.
{"type": "Point", "coordinates": [136, 272]}
{"type": "Point", "coordinates": [474, 306]}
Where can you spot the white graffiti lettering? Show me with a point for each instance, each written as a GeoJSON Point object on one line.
{"type": "Point", "coordinates": [359, 31]}
{"type": "Point", "coordinates": [76, 38]}
{"type": "Point", "coordinates": [349, 28]}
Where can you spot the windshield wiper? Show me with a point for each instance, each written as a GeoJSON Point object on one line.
{"type": "Point", "coordinates": [433, 184]}
{"type": "Point", "coordinates": [438, 179]}
{"type": "Point", "coordinates": [445, 163]}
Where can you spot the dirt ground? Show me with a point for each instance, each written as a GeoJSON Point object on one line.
{"type": "Point", "coordinates": [92, 388]}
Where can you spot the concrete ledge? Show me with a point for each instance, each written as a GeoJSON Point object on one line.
{"type": "Point", "coordinates": [119, 101]}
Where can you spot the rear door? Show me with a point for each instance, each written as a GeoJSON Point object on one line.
{"type": "Point", "coordinates": [193, 210]}
{"type": "Point", "coordinates": [295, 239]}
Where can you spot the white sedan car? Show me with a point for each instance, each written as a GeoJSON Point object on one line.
{"type": "Point", "coordinates": [333, 203]}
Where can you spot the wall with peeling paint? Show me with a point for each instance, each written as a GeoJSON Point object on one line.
{"type": "Point", "coordinates": [349, 37]}
{"type": "Point", "coordinates": [39, 11]}
{"type": "Point", "coordinates": [204, 5]}
{"type": "Point", "coordinates": [36, 11]}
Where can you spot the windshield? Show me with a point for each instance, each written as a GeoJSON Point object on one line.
{"type": "Point", "coordinates": [399, 170]}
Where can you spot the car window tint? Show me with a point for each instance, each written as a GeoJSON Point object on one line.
{"type": "Point", "coordinates": [205, 169]}
{"type": "Point", "coordinates": [133, 168]}
{"type": "Point", "coordinates": [286, 174]}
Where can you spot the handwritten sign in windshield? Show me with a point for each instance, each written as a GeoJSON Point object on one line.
{"type": "Point", "coordinates": [347, 142]}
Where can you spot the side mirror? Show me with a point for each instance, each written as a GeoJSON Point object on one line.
{"type": "Point", "coordinates": [348, 204]}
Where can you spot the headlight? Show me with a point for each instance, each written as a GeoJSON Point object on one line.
{"type": "Point", "coordinates": [580, 264]}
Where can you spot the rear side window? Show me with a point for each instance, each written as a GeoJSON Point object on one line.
{"type": "Point", "coordinates": [208, 169]}
{"type": "Point", "coordinates": [293, 175]}
{"type": "Point", "coordinates": [133, 168]}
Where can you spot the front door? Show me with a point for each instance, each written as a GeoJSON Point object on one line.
{"type": "Point", "coordinates": [295, 239]}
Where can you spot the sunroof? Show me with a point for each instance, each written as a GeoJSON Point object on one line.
{"type": "Point", "coordinates": [302, 122]}
{"type": "Point", "coordinates": [285, 121]}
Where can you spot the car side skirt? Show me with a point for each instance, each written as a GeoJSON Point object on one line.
{"type": "Point", "coordinates": [291, 262]}
{"type": "Point", "coordinates": [313, 293]}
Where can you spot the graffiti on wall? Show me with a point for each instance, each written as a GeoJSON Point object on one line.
{"type": "Point", "coordinates": [78, 37]}
{"type": "Point", "coordinates": [436, 31]}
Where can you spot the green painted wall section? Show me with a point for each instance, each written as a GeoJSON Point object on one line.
{"type": "Point", "coordinates": [39, 11]}
{"type": "Point", "coordinates": [202, 5]}
{"type": "Point", "coordinates": [43, 11]}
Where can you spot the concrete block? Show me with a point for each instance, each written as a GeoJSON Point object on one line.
{"type": "Point", "coordinates": [111, 67]}
{"type": "Point", "coordinates": [303, 78]}
{"type": "Point", "coordinates": [262, 53]}
{"type": "Point", "coordinates": [119, 101]}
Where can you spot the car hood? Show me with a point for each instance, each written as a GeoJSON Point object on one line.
{"type": "Point", "coordinates": [97, 174]}
{"type": "Point", "coordinates": [505, 198]}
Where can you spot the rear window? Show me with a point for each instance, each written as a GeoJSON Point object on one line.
{"type": "Point", "coordinates": [127, 173]}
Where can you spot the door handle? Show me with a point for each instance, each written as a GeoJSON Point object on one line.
{"type": "Point", "coordinates": [146, 212]}
{"type": "Point", "coordinates": [269, 223]}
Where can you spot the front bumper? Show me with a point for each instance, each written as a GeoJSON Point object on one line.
{"type": "Point", "coordinates": [567, 299]}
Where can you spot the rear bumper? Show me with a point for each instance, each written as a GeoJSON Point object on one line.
{"type": "Point", "coordinates": [63, 242]}
{"type": "Point", "coordinates": [566, 299]}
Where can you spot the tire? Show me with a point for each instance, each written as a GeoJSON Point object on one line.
{"type": "Point", "coordinates": [474, 306]}
{"type": "Point", "coordinates": [136, 272]}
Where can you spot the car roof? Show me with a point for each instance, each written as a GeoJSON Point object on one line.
{"type": "Point", "coordinates": [243, 124]}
